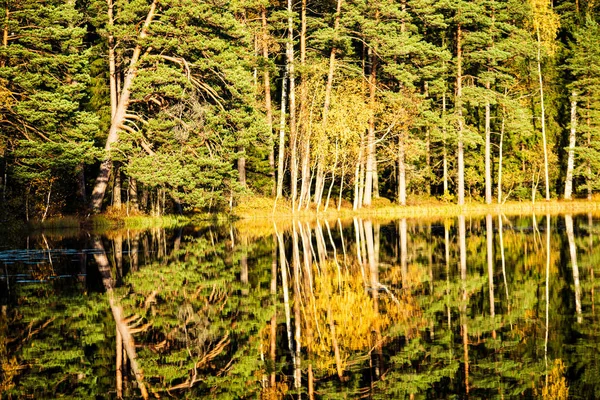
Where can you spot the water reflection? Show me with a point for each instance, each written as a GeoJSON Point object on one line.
{"type": "Point", "coordinates": [468, 307]}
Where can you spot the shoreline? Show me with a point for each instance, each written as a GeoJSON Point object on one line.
{"type": "Point", "coordinates": [425, 210]}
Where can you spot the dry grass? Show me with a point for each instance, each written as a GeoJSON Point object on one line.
{"type": "Point", "coordinates": [261, 208]}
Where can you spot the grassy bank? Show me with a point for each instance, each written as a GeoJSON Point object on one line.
{"type": "Point", "coordinates": [110, 221]}
{"type": "Point", "coordinates": [260, 208]}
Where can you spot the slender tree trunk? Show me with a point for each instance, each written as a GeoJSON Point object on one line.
{"type": "Point", "coordinates": [403, 233]}
{"type": "Point", "coordinates": [548, 259]}
{"type": "Point", "coordinates": [120, 115]}
{"type": "Point", "coordinates": [111, 62]}
{"type": "Point", "coordinates": [119, 363]}
{"type": "Point", "coordinates": [461, 122]}
{"type": "Point", "coordinates": [488, 150]}
{"type": "Point", "coordinates": [358, 176]}
{"type": "Point", "coordinates": [5, 31]}
{"type": "Point", "coordinates": [80, 183]}
{"type": "Point", "coordinates": [297, 318]}
{"type": "Point", "coordinates": [339, 206]}
{"type": "Point", "coordinates": [462, 234]}
{"type": "Point", "coordinates": [503, 261]}
{"type": "Point", "coordinates": [292, 99]}
{"type": "Point", "coordinates": [117, 189]}
{"type": "Point", "coordinates": [447, 262]}
{"type": "Point", "coordinates": [304, 131]}
{"type": "Point", "coordinates": [489, 233]}
{"type": "Point", "coordinates": [374, 283]}
{"type": "Point", "coordinates": [589, 162]}
{"type": "Point", "coordinates": [286, 298]}
{"type": "Point", "coordinates": [571, 152]}
{"type": "Point", "coordinates": [368, 192]}
{"type": "Point", "coordinates": [573, 253]}
{"type": "Point", "coordinates": [273, 335]}
{"type": "Point", "coordinates": [332, 177]}
{"type": "Point", "coordinates": [542, 105]}
{"type": "Point", "coordinates": [268, 105]}
{"type": "Point", "coordinates": [401, 172]}
{"type": "Point", "coordinates": [500, 154]}
{"type": "Point", "coordinates": [241, 167]}
{"type": "Point", "coordinates": [280, 166]}
{"type": "Point", "coordinates": [445, 149]}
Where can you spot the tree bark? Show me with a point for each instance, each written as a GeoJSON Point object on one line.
{"type": "Point", "coordinates": [111, 62]}
{"type": "Point", "coordinates": [241, 167]}
{"type": "Point", "coordinates": [571, 151]}
{"type": "Point", "coordinates": [500, 154]}
{"type": "Point", "coordinates": [117, 189]}
{"type": "Point", "coordinates": [489, 234]}
{"type": "Point", "coordinates": [117, 311]}
{"type": "Point", "coordinates": [280, 166]}
{"type": "Point", "coordinates": [488, 150]}
{"type": "Point", "coordinates": [462, 234]}
{"type": "Point", "coordinates": [461, 122]}
{"type": "Point", "coordinates": [292, 99]}
{"type": "Point", "coordinates": [119, 116]}
{"type": "Point", "coordinates": [368, 191]}
{"type": "Point", "coordinates": [445, 149]}
{"type": "Point", "coordinates": [574, 265]}
{"type": "Point", "coordinates": [543, 109]}
{"type": "Point", "coordinates": [401, 172]}
{"type": "Point", "coordinates": [268, 105]}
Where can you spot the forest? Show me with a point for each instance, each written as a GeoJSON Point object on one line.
{"type": "Point", "coordinates": [171, 105]}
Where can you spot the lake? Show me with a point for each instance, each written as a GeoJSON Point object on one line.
{"type": "Point", "coordinates": [467, 307]}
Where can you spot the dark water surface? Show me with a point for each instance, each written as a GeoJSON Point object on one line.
{"type": "Point", "coordinates": [485, 307]}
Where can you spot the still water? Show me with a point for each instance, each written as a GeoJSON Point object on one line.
{"type": "Point", "coordinates": [472, 307]}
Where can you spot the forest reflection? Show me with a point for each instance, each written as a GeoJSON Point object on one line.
{"type": "Point", "coordinates": [481, 307]}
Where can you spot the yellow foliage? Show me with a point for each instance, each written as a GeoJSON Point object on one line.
{"type": "Point", "coordinates": [360, 314]}
{"type": "Point", "coordinates": [555, 387]}
{"type": "Point", "coordinates": [545, 23]}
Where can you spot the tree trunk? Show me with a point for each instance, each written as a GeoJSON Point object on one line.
{"type": "Point", "coordinates": [461, 122]}
{"type": "Point", "coordinates": [132, 193]}
{"type": "Point", "coordinates": [119, 116]}
{"type": "Point", "coordinates": [241, 167]}
{"type": "Point", "coordinates": [462, 234]}
{"type": "Point", "coordinates": [117, 189]}
{"type": "Point", "coordinates": [341, 189]}
{"type": "Point", "coordinates": [401, 173]}
{"type": "Point", "coordinates": [403, 234]}
{"type": "Point", "coordinates": [573, 253]}
{"type": "Point", "coordinates": [268, 106]}
{"type": "Point", "coordinates": [304, 124]}
{"type": "Point", "coordinates": [111, 62]}
{"type": "Point", "coordinates": [280, 166]}
{"type": "Point", "coordinates": [542, 105]}
{"type": "Point", "coordinates": [80, 183]}
{"type": "Point", "coordinates": [292, 99]}
{"type": "Point", "coordinates": [117, 311]}
{"type": "Point", "coordinates": [273, 335]}
{"type": "Point", "coordinates": [571, 152]}
{"type": "Point", "coordinates": [445, 150]}
{"type": "Point", "coordinates": [500, 153]}
{"type": "Point", "coordinates": [368, 192]}
{"type": "Point", "coordinates": [488, 150]}
{"type": "Point", "coordinates": [489, 233]}
{"type": "Point", "coordinates": [589, 162]}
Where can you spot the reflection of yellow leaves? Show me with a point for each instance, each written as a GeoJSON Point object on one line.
{"type": "Point", "coordinates": [352, 310]}
{"type": "Point", "coordinates": [275, 393]}
{"type": "Point", "coordinates": [555, 386]}
{"type": "Point", "coordinates": [360, 314]}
